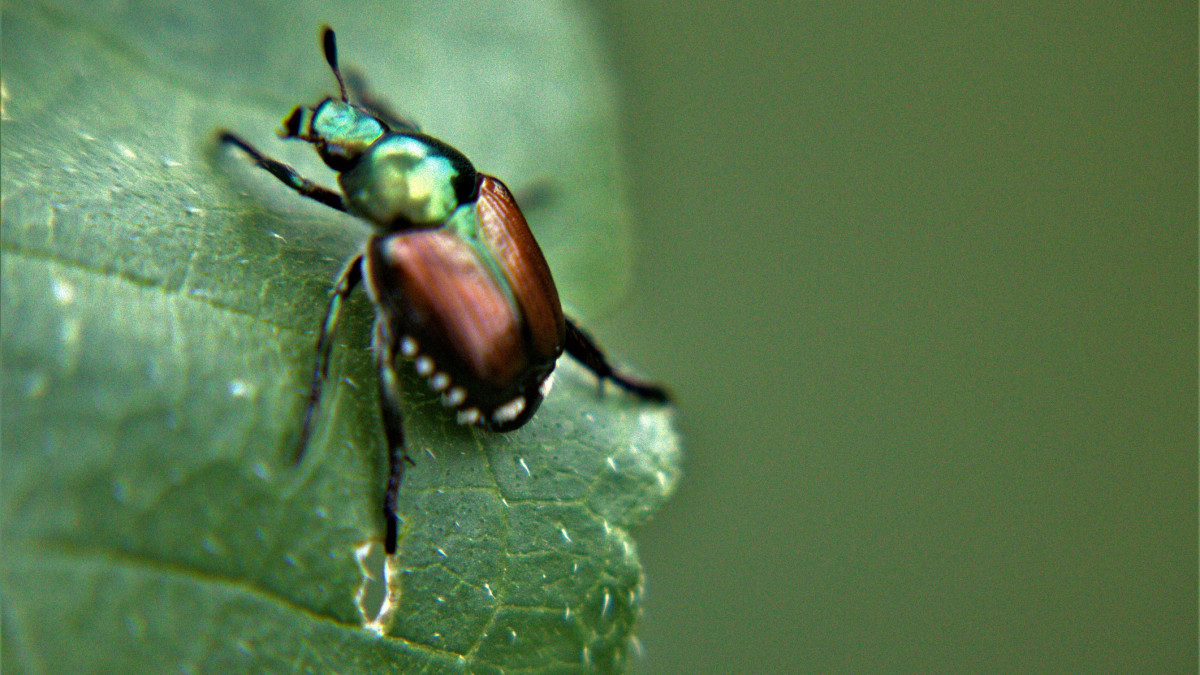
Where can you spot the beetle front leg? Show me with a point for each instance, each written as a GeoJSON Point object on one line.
{"type": "Point", "coordinates": [346, 282]}
{"type": "Point", "coordinates": [584, 349]}
{"type": "Point", "coordinates": [286, 174]}
{"type": "Point", "coordinates": [393, 429]}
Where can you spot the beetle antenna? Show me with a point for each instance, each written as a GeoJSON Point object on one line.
{"type": "Point", "coordinates": [330, 43]}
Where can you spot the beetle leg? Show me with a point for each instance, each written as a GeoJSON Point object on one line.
{"type": "Point", "coordinates": [393, 428]}
{"type": "Point", "coordinates": [346, 281]}
{"type": "Point", "coordinates": [584, 349]}
{"type": "Point", "coordinates": [286, 174]}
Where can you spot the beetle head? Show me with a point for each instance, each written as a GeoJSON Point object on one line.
{"type": "Point", "coordinates": [340, 131]}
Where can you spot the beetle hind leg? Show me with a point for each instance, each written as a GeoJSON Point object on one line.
{"type": "Point", "coordinates": [584, 349]}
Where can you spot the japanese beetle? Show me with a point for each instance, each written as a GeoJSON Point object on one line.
{"type": "Point", "coordinates": [459, 285]}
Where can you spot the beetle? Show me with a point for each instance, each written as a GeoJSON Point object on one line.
{"type": "Point", "coordinates": [459, 285]}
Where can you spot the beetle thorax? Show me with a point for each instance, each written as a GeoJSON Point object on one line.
{"type": "Point", "coordinates": [400, 183]}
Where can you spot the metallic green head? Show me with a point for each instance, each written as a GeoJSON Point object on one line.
{"type": "Point", "coordinates": [341, 131]}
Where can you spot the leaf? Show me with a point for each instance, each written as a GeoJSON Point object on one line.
{"type": "Point", "coordinates": [160, 299]}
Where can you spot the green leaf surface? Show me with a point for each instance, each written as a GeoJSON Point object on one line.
{"type": "Point", "coordinates": [160, 298]}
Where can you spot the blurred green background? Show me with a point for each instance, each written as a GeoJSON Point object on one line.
{"type": "Point", "coordinates": [924, 278]}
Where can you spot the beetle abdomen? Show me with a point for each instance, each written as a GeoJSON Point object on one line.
{"type": "Point", "coordinates": [451, 306]}
{"type": "Point", "coordinates": [475, 309]}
